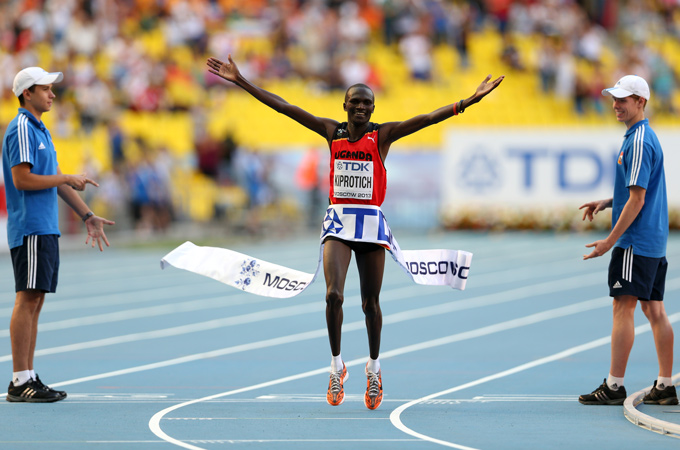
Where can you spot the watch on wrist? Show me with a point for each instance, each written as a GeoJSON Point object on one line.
{"type": "Point", "coordinates": [87, 216]}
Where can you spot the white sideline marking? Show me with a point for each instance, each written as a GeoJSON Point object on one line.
{"type": "Point", "coordinates": [294, 398]}
{"type": "Point", "coordinates": [485, 279]}
{"type": "Point", "coordinates": [278, 418]}
{"type": "Point", "coordinates": [264, 441]}
{"type": "Point", "coordinates": [118, 396]}
{"type": "Point", "coordinates": [117, 442]}
{"type": "Point", "coordinates": [395, 416]}
{"type": "Point", "coordinates": [502, 398]}
{"type": "Point", "coordinates": [315, 397]}
{"type": "Point", "coordinates": [198, 356]}
{"type": "Point", "coordinates": [245, 441]}
{"type": "Point", "coordinates": [154, 423]}
{"type": "Point", "coordinates": [358, 325]}
{"type": "Point", "coordinates": [183, 329]}
{"type": "Point", "coordinates": [139, 313]}
{"type": "Point", "coordinates": [116, 298]}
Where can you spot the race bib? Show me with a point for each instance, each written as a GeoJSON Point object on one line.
{"type": "Point", "coordinates": [353, 179]}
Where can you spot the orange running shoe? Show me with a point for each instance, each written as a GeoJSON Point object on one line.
{"type": "Point", "coordinates": [374, 391]}
{"type": "Point", "coordinates": [336, 392]}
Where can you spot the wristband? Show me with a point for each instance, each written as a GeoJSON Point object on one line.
{"type": "Point", "coordinates": [460, 107]}
{"type": "Point", "coordinates": [87, 216]}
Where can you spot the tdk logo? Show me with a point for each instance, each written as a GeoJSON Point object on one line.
{"type": "Point", "coordinates": [354, 166]}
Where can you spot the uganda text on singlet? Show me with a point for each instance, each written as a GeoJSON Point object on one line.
{"type": "Point", "coordinates": [357, 174]}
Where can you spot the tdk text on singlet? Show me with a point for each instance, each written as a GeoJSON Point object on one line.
{"type": "Point", "coordinates": [353, 179]}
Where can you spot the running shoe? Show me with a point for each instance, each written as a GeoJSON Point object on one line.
{"type": "Point", "coordinates": [31, 392]}
{"type": "Point", "coordinates": [336, 392]}
{"type": "Point", "coordinates": [374, 391]}
{"type": "Point", "coordinates": [44, 386]}
{"type": "Point", "coordinates": [666, 396]}
{"type": "Point", "coordinates": [603, 395]}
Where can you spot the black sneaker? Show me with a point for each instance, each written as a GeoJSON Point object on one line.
{"type": "Point", "coordinates": [604, 396]}
{"type": "Point", "coordinates": [666, 396]}
{"type": "Point", "coordinates": [44, 386]}
{"type": "Point", "coordinates": [31, 392]}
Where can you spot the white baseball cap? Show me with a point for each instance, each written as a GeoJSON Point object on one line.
{"type": "Point", "coordinates": [629, 85]}
{"type": "Point", "coordinates": [34, 75]}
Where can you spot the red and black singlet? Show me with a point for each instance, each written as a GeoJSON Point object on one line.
{"type": "Point", "coordinates": [358, 174]}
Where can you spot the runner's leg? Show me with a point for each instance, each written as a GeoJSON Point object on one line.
{"type": "Point", "coordinates": [336, 257]}
{"type": "Point", "coordinates": [371, 266]}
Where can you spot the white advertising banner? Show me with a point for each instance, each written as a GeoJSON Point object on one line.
{"type": "Point", "coordinates": [540, 169]}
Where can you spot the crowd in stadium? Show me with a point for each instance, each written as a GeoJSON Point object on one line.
{"type": "Point", "coordinates": [149, 55]}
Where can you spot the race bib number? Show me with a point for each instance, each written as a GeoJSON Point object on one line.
{"type": "Point", "coordinates": [353, 179]}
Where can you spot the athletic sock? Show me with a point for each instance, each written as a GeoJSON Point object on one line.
{"type": "Point", "coordinates": [32, 372]}
{"type": "Point", "coordinates": [336, 363]}
{"type": "Point", "coordinates": [614, 383]}
{"type": "Point", "coordinates": [21, 377]}
{"type": "Point", "coordinates": [663, 382]}
{"type": "Point", "coordinates": [373, 365]}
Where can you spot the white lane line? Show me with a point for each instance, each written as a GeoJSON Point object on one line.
{"type": "Point", "coordinates": [206, 355]}
{"type": "Point", "coordinates": [395, 416]}
{"type": "Point", "coordinates": [325, 441]}
{"type": "Point", "coordinates": [488, 279]}
{"type": "Point", "coordinates": [136, 296]}
{"type": "Point", "coordinates": [154, 423]}
{"type": "Point", "coordinates": [276, 418]}
{"type": "Point", "coordinates": [227, 441]}
{"type": "Point", "coordinates": [182, 329]}
{"type": "Point", "coordinates": [316, 306]}
{"type": "Point", "coordinates": [186, 306]}
{"type": "Point", "coordinates": [134, 290]}
{"type": "Point", "coordinates": [353, 326]}
{"type": "Point", "coordinates": [70, 442]}
{"type": "Point", "coordinates": [134, 282]}
{"type": "Point", "coordinates": [150, 311]}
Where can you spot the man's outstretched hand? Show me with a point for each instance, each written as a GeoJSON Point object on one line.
{"type": "Point", "coordinates": [226, 70]}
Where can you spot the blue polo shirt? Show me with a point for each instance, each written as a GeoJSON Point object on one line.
{"type": "Point", "coordinates": [29, 212]}
{"type": "Point", "coordinates": [640, 163]}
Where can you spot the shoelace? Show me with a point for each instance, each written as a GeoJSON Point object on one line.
{"type": "Point", "coordinates": [44, 386]}
{"type": "Point", "coordinates": [373, 384]}
{"type": "Point", "coordinates": [336, 377]}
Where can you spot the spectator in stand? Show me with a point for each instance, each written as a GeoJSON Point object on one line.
{"type": "Point", "coordinates": [461, 21]}
{"type": "Point", "coordinates": [547, 62]}
{"type": "Point", "coordinates": [416, 49]}
{"type": "Point", "coordinates": [510, 53]}
{"type": "Point", "coordinates": [664, 82]}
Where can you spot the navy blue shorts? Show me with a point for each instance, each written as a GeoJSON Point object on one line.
{"type": "Point", "coordinates": [640, 276]}
{"type": "Point", "coordinates": [36, 263]}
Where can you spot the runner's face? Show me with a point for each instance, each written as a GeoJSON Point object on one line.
{"type": "Point", "coordinates": [359, 105]}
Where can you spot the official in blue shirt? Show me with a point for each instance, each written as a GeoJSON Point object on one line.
{"type": "Point", "coordinates": [639, 233]}
{"type": "Point", "coordinates": [32, 182]}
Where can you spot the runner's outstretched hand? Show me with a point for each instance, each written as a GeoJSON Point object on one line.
{"type": "Point", "coordinates": [486, 87]}
{"type": "Point", "coordinates": [226, 70]}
